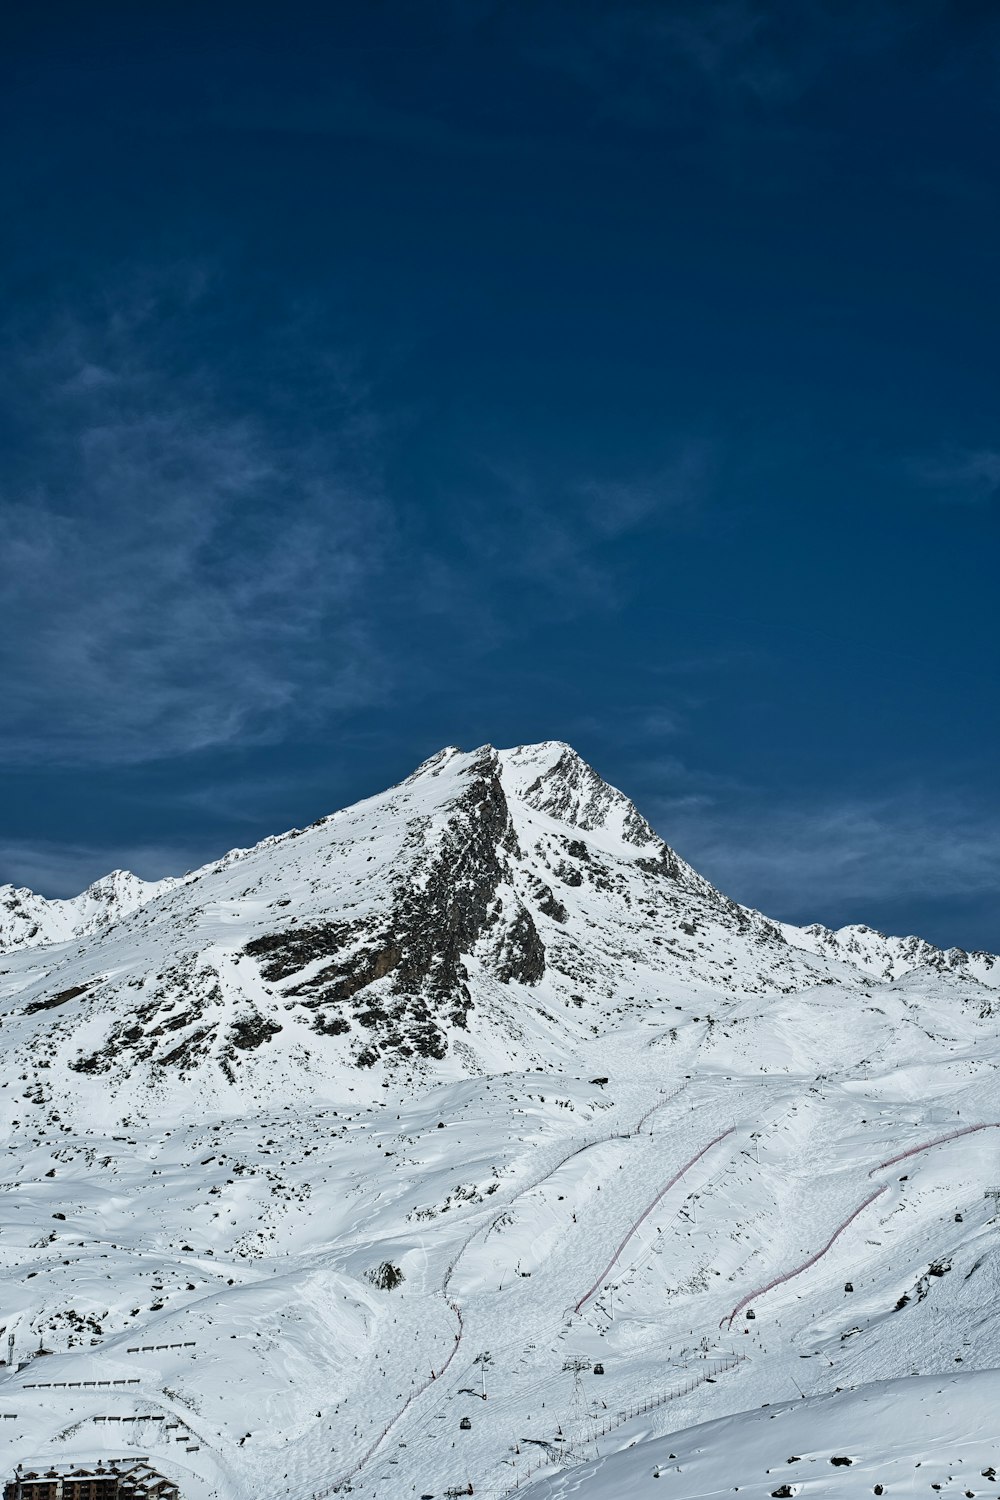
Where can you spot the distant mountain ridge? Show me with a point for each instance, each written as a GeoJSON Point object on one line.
{"type": "Point", "coordinates": [891, 957]}
{"type": "Point", "coordinates": [28, 920]}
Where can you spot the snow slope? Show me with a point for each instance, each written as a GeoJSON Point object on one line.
{"type": "Point", "coordinates": [488, 1030]}
{"type": "Point", "coordinates": [827, 1447]}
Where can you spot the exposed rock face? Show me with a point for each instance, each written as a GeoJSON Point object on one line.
{"type": "Point", "coordinates": [419, 948]}
{"type": "Point", "coordinates": [572, 792]}
{"type": "Point", "coordinates": [252, 1031]}
{"type": "Point", "coordinates": [447, 915]}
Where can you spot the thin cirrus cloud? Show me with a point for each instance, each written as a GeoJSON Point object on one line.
{"type": "Point", "coordinates": [680, 485]}
{"type": "Point", "coordinates": [178, 576]}
{"type": "Point", "coordinates": [807, 863]}
{"type": "Point", "coordinates": [731, 54]}
{"type": "Point", "coordinates": [175, 577]}
{"type": "Point", "coordinates": [971, 474]}
{"type": "Point", "coordinates": [528, 532]}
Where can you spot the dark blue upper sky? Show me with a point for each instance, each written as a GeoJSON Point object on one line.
{"type": "Point", "coordinates": [380, 376]}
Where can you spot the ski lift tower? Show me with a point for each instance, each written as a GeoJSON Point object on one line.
{"type": "Point", "coordinates": [482, 1360]}
{"type": "Point", "coordinates": [577, 1367]}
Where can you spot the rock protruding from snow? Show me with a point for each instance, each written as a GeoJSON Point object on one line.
{"type": "Point", "coordinates": [401, 971]}
{"type": "Point", "coordinates": [553, 779]}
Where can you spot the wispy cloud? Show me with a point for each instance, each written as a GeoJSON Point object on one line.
{"type": "Point", "coordinates": [647, 62]}
{"type": "Point", "coordinates": [617, 506]}
{"type": "Point", "coordinates": [175, 574]}
{"type": "Point", "coordinates": [806, 863]}
{"type": "Point", "coordinates": [552, 536]}
{"type": "Point", "coordinates": [179, 572]}
{"type": "Point", "coordinates": [969, 474]}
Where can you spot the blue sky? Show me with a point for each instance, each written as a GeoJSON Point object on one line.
{"type": "Point", "coordinates": [382, 376]}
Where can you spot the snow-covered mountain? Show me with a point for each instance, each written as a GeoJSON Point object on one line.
{"type": "Point", "coordinates": [890, 957]}
{"type": "Point", "coordinates": [28, 920]}
{"type": "Point", "coordinates": [294, 1140]}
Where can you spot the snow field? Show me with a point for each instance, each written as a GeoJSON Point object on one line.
{"type": "Point", "coordinates": [305, 1319]}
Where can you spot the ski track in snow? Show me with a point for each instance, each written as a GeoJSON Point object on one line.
{"type": "Point", "coordinates": [415, 1396]}
{"type": "Point", "coordinates": [953, 1135]}
{"type": "Point", "coordinates": [806, 1264]}
{"type": "Point", "coordinates": [646, 1213]}
{"type": "Point", "coordinates": [370, 1452]}
{"type": "Point", "coordinates": [745, 1301]}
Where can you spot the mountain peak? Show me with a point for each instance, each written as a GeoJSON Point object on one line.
{"type": "Point", "coordinates": [886, 957]}
{"type": "Point", "coordinates": [553, 778]}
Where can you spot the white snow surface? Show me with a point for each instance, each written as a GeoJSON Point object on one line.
{"type": "Point", "coordinates": [825, 1447]}
{"type": "Point", "coordinates": [488, 1030]}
